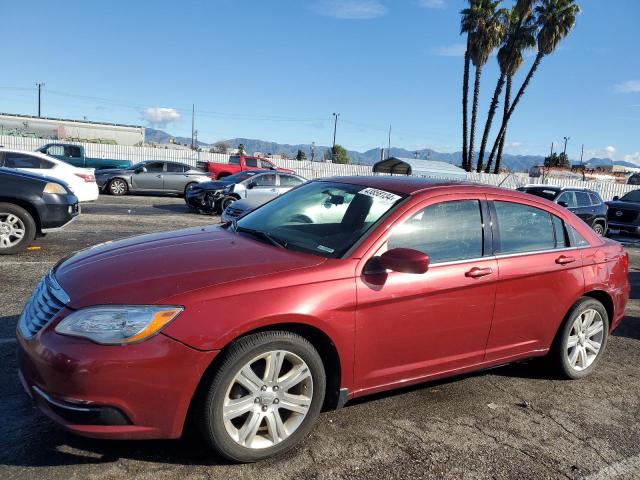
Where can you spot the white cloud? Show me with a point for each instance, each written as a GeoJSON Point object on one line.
{"type": "Point", "coordinates": [610, 151]}
{"type": "Point", "coordinates": [630, 86]}
{"type": "Point", "coordinates": [160, 116]}
{"type": "Point", "coordinates": [431, 3]}
{"type": "Point", "coordinates": [633, 158]}
{"type": "Point", "coordinates": [453, 50]}
{"type": "Point", "coordinates": [606, 152]}
{"type": "Point", "coordinates": [351, 9]}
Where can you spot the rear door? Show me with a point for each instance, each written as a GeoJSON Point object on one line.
{"type": "Point", "coordinates": [585, 210]}
{"type": "Point", "coordinates": [152, 179]}
{"type": "Point", "coordinates": [175, 177]}
{"type": "Point", "coordinates": [540, 277]}
{"type": "Point", "coordinates": [287, 182]}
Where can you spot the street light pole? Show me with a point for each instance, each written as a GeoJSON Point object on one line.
{"type": "Point", "coordinates": [39, 85]}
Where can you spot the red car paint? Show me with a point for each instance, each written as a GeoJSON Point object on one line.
{"type": "Point", "coordinates": [239, 163]}
{"type": "Point", "coordinates": [388, 330]}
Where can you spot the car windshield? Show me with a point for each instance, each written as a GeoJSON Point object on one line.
{"type": "Point", "coordinates": [633, 196]}
{"type": "Point", "coordinates": [322, 218]}
{"type": "Point", "coordinates": [541, 192]}
{"type": "Point", "coordinates": [239, 177]}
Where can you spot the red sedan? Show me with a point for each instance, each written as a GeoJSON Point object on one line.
{"type": "Point", "coordinates": [338, 289]}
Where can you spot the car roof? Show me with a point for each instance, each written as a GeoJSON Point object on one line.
{"type": "Point", "coordinates": [33, 176]}
{"type": "Point", "coordinates": [558, 188]}
{"type": "Point", "coordinates": [406, 184]}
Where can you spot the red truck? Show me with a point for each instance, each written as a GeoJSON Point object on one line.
{"type": "Point", "coordinates": [238, 163]}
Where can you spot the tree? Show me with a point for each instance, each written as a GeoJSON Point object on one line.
{"type": "Point", "coordinates": [339, 154]}
{"type": "Point", "coordinates": [284, 155]}
{"type": "Point", "coordinates": [468, 25]}
{"type": "Point", "coordinates": [520, 35]}
{"type": "Point", "coordinates": [241, 149]}
{"type": "Point", "coordinates": [486, 37]}
{"type": "Point", "coordinates": [301, 156]}
{"type": "Point", "coordinates": [555, 18]}
{"type": "Point", "coordinates": [220, 147]}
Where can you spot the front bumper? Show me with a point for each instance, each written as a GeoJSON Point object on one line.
{"type": "Point", "coordinates": [203, 200]}
{"type": "Point", "coordinates": [120, 392]}
{"type": "Point", "coordinates": [627, 227]}
{"type": "Point", "coordinates": [57, 210]}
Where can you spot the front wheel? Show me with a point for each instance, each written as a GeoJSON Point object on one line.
{"type": "Point", "coordinates": [189, 186]}
{"type": "Point", "coordinates": [265, 397]}
{"type": "Point", "coordinates": [17, 229]}
{"type": "Point", "coordinates": [599, 229]}
{"type": "Point", "coordinates": [582, 339]}
{"type": "Point", "coordinates": [226, 201]}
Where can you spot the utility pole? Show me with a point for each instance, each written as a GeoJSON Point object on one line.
{"type": "Point", "coordinates": [389, 145]}
{"type": "Point", "coordinates": [581, 162]}
{"type": "Point", "coordinates": [335, 127]}
{"type": "Point", "coordinates": [39, 85]}
{"type": "Point", "coordinates": [566, 139]}
{"type": "Point", "coordinates": [193, 126]}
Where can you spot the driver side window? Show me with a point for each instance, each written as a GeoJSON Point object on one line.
{"type": "Point", "coordinates": [446, 231]}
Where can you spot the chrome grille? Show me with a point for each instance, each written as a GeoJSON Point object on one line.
{"type": "Point", "coordinates": [45, 302]}
{"type": "Point", "coordinates": [621, 215]}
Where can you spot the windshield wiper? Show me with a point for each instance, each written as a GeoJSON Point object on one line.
{"type": "Point", "coordinates": [260, 234]}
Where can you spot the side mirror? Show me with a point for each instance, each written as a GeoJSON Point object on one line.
{"type": "Point", "coordinates": [251, 185]}
{"type": "Point", "coordinates": [563, 204]}
{"type": "Point", "coordinates": [405, 260]}
{"type": "Point", "coordinates": [616, 198]}
{"type": "Point", "coordinates": [141, 170]}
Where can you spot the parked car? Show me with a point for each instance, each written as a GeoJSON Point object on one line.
{"type": "Point", "coordinates": [151, 176]}
{"type": "Point", "coordinates": [75, 155]}
{"type": "Point", "coordinates": [254, 326]}
{"type": "Point", "coordinates": [238, 163]}
{"type": "Point", "coordinates": [81, 181]}
{"type": "Point", "coordinates": [258, 186]}
{"type": "Point", "coordinates": [586, 204]}
{"type": "Point", "coordinates": [30, 206]}
{"type": "Point", "coordinates": [624, 213]}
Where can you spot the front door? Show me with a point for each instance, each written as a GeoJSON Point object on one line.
{"type": "Point", "coordinates": [412, 326]}
{"type": "Point", "coordinates": [264, 187]}
{"type": "Point", "coordinates": [152, 179]}
{"type": "Point", "coordinates": [540, 276]}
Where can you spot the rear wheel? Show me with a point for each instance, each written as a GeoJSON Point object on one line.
{"type": "Point", "coordinates": [17, 228]}
{"type": "Point", "coordinates": [582, 339]}
{"type": "Point", "coordinates": [118, 187]}
{"type": "Point", "coordinates": [599, 229]}
{"type": "Point", "coordinates": [265, 397]}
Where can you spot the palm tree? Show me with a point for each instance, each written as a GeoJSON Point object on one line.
{"type": "Point", "coordinates": [487, 36]}
{"type": "Point", "coordinates": [520, 36]}
{"type": "Point", "coordinates": [468, 25]}
{"type": "Point", "coordinates": [556, 18]}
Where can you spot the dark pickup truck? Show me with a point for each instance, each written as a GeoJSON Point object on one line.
{"type": "Point", "coordinates": [624, 212]}
{"type": "Point", "coordinates": [76, 156]}
{"type": "Point", "coordinates": [31, 205]}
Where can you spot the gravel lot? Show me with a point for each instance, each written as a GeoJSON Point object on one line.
{"type": "Point", "coordinates": [510, 422]}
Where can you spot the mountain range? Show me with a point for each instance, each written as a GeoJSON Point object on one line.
{"type": "Point", "coordinates": [517, 163]}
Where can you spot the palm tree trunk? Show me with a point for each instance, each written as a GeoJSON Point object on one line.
{"type": "Point", "coordinates": [474, 115]}
{"type": "Point", "coordinates": [465, 108]}
{"type": "Point", "coordinates": [516, 100]}
{"type": "Point", "coordinates": [487, 126]}
{"type": "Point", "coordinates": [507, 105]}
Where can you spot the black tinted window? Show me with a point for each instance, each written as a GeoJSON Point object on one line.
{"type": "Point", "coordinates": [19, 160]}
{"type": "Point", "coordinates": [582, 199]}
{"type": "Point", "coordinates": [73, 152]}
{"type": "Point", "coordinates": [154, 167]}
{"type": "Point", "coordinates": [234, 160]}
{"type": "Point", "coordinates": [568, 198]}
{"type": "Point", "coordinates": [522, 228]}
{"type": "Point", "coordinates": [289, 181]}
{"type": "Point", "coordinates": [595, 199]}
{"type": "Point", "coordinates": [176, 168]}
{"type": "Point", "coordinates": [445, 231]}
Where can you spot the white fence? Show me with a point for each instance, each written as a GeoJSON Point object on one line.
{"type": "Point", "coordinates": [307, 169]}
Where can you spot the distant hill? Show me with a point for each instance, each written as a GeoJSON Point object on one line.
{"type": "Point", "coordinates": [517, 163]}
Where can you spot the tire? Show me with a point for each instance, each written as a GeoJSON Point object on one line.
{"type": "Point", "coordinates": [562, 354]}
{"type": "Point", "coordinates": [188, 186]}
{"type": "Point", "coordinates": [259, 409]}
{"type": "Point", "coordinates": [226, 201]}
{"type": "Point", "coordinates": [17, 229]}
{"type": "Point", "coordinates": [599, 229]}
{"type": "Point", "coordinates": [117, 187]}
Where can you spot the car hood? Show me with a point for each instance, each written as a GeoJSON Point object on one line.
{"type": "Point", "coordinates": [215, 185]}
{"type": "Point", "coordinates": [149, 268]}
{"type": "Point", "coordinates": [626, 205]}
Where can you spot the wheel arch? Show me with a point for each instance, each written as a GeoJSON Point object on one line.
{"type": "Point", "coordinates": [29, 207]}
{"type": "Point", "coordinates": [319, 339]}
{"type": "Point", "coordinates": [605, 299]}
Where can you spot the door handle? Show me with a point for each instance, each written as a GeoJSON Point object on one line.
{"type": "Point", "coordinates": [476, 272]}
{"type": "Point", "coordinates": [564, 260]}
{"type": "Point", "coordinates": [158, 176]}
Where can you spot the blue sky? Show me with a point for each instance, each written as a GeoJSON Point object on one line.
{"type": "Point", "coordinates": [277, 70]}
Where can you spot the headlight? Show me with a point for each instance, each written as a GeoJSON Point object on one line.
{"type": "Point", "coordinates": [229, 188]}
{"type": "Point", "coordinates": [55, 188]}
{"type": "Point", "coordinates": [117, 325]}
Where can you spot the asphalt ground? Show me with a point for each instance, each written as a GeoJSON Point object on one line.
{"type": "Point", "coordinates": [513, 422]}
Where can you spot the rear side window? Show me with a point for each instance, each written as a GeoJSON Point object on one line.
{"type": "Point", "coordinates": [577, 240]}
{"type": "Point", "coordinates": [583, 200]}
{"type": "Point", "coordinates": [595, 199]}
{"type": "Point", "coordinates": [289, 181]}
{"type": "Point", "coordinates": [568, 198]}
{"type": "Point", "coordinates": [234, 160]}
{"type": "Point", "coordinates": [176, 168]}
{"type": "Point", "coordinates": [266, 164]}
{"type": "Point", "coordinates": [446, 231]}
{"type": "Point", "coordinates": [522, 228]}
{"type": "Point", "coordinates": [561, 235]}
{"type": "Point", "coordinates": [20, 160]}
{"type": "Point", "coordinates": [266, 180]}
{"type": "Point", "coordinates": [251, 162]}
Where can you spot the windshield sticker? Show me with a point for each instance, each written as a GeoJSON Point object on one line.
{"type": "Point", "coordinates": [386, 197]}
{"type": "Point", "coordinates": [325, 249]}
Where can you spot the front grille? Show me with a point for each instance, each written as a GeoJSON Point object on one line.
{"type": "Point", "coordinates": [626, 216]}
{"type": "Point", "coordinates": [45, 302]}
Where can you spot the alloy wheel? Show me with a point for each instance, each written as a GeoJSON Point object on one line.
{"type": "Point", "coordinates": [268, 399]}
{"type": "Point", "coordinates": [117, 187]}
{"type": "Point", "coordinates": [12, 230]}
{"type": "Point", "coordinates": [585, 339]}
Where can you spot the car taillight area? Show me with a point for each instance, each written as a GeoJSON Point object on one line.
{"type": "Point", "coordinates": [87, 177]}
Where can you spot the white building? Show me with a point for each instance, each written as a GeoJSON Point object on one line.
{"type": "Point", "coordinates": [70, 130]}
